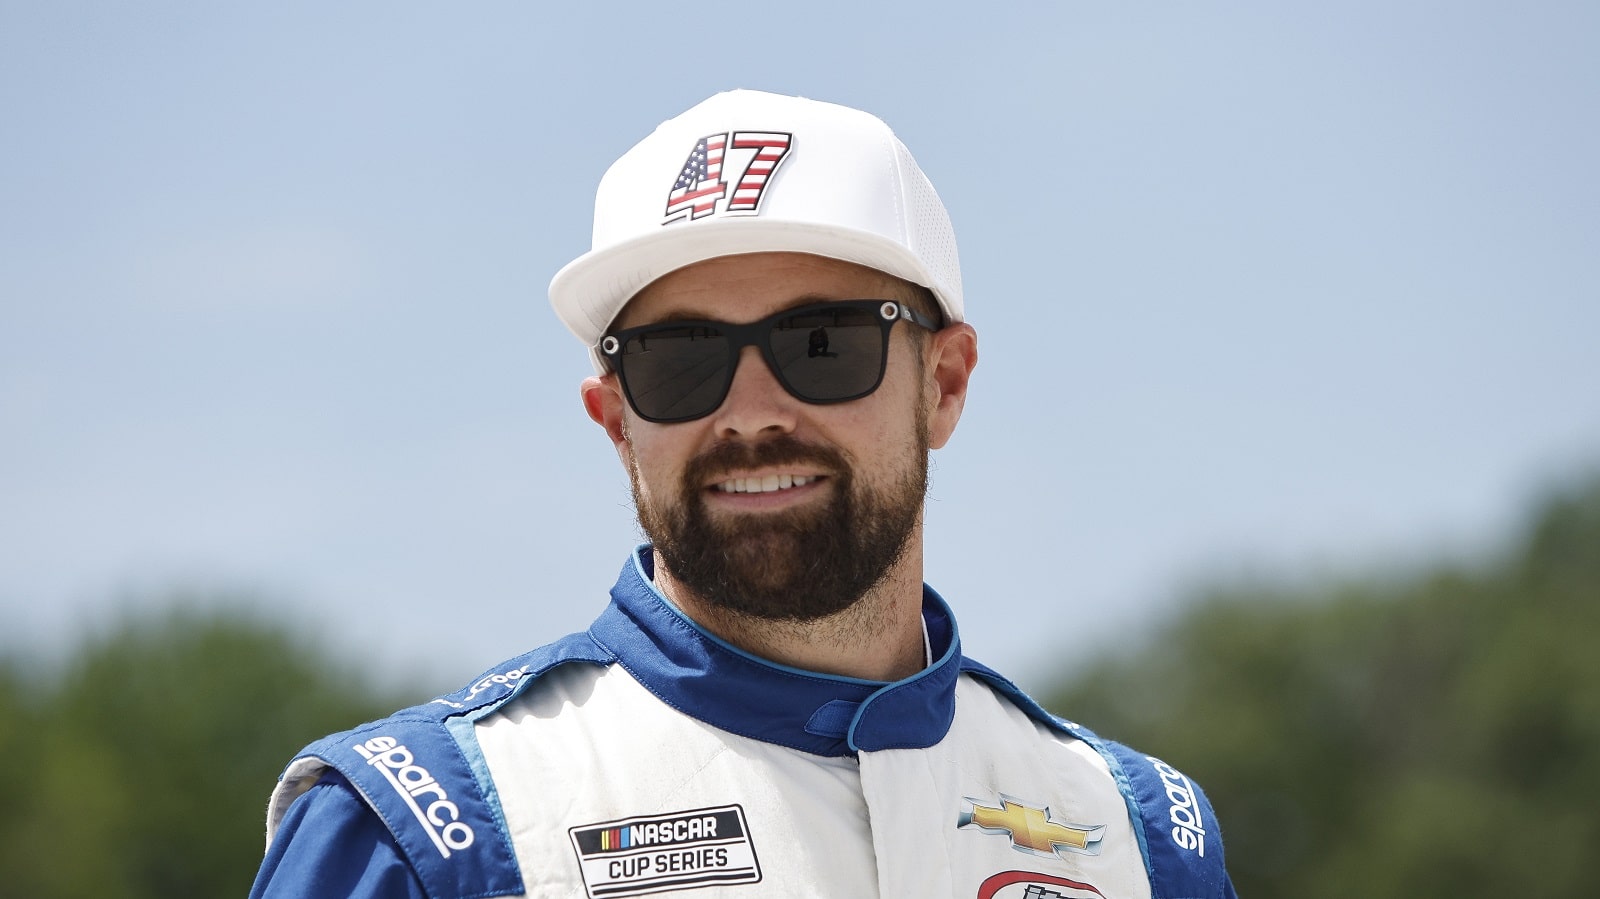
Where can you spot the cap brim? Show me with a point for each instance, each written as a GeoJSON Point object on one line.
{"type": "Point", "coordinates": [590, 291]}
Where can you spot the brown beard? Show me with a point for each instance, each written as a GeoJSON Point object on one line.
{"type": "Point", "coordinates": [798, 565]}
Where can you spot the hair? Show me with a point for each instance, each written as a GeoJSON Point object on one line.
{"type": "Point", "coordinates": [920, 299]}
{"type": "Point", "coordinates": [923, 300]}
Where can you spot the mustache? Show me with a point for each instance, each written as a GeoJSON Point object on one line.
{"type": "Point", "coordinates": [730, 455]}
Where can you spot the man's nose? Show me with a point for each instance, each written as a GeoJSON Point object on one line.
{"type": "Point", "coordinates": [756, 403]}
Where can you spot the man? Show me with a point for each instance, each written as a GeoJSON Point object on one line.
{"type": "Point", "coordinates": [773, 704]}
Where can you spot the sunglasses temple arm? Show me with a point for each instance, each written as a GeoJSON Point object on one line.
{"type": "Point", "coordinates": [915, 317]}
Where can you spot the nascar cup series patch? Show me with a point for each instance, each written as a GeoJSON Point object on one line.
{"type": "Point", "coordinates": [676, 851]}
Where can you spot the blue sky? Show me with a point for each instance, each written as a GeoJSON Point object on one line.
{"type": "Point", "coordinates": [1260, 287]}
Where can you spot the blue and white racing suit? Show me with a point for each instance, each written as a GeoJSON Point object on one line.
{"type": "Point", "coordinates": [646, 756]}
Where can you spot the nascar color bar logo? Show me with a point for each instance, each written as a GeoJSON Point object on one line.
{"type": "Point", "coordinates": [678, 851]}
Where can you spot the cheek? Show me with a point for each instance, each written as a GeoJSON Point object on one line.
{"type": "Point", "coordinates": [889, 415]}
{"type": "Point", "coordinates": [877, 434]}
{"type": "Point", "coordinates": [658, 458]}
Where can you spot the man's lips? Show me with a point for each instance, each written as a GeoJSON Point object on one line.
{"type": "Point", "coordinates": [765, 483]}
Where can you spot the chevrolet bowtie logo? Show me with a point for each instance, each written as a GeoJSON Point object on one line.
{"type": "Point", "coordinates": [1031, 829]}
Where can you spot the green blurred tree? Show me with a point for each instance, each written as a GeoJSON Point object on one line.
{"type": "Point", "coordinates": [1437, 735]}
{"type": "Point", "coordinates": [142, 770]}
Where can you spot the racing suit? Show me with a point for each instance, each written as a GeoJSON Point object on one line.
{"type": "Point", "coordinates": [647, 756]}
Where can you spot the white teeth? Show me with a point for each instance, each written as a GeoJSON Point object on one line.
{"type": "Point", "coordinates": [767, 484]}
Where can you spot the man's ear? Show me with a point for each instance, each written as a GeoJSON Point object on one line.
{"type": "Point", "coordinates": [603, 400]}
{"type": "Point", "coordinates": [952, 354]}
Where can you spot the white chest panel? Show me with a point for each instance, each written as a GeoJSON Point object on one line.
{"type": "Point", "coordinates": [607, 791]}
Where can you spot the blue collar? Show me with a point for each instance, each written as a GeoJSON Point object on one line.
{"type": "Point", "coordinates": [705, 677]}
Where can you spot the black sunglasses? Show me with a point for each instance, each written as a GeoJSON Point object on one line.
{"type": "Point", "coordinates": [824, 353]}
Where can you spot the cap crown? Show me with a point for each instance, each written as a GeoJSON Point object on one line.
{"type": "Point", "coordinates": [747, 172]}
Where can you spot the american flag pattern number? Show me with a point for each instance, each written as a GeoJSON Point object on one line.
{"type": "Point", "coordinates": [700, 185]}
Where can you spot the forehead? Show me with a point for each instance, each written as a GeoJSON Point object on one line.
{"type": "Point", "coordinates": [751, 286]}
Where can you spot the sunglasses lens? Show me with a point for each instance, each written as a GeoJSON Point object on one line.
{"type": "Point", "coordinates": [674, 374]}
{"type": "Point", "coordinates": [829, 353]}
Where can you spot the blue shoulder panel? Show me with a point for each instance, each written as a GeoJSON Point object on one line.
{"type": "Point", "coordinates": [334, 846]}
{"type": "Point", "coordinates": [1177, 830]}
{"type": "Point", "coordinates": [424, 777]}
{"type": "Point", "coordinates": [1180, 830]}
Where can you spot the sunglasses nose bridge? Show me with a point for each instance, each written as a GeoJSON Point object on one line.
{"type": "Point", "coordinates": [756, 400]}
{"type": "Point", "coordinates": [752, 345]}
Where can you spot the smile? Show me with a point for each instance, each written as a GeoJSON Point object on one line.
{"type": "Point", "coordinates": [768, 484]}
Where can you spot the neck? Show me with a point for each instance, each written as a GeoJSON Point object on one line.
{"type": "Point", "coordinates": [879, 637]}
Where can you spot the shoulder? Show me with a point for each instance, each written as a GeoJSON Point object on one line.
{"type": "Point", "coordinates": [332, 844]}
{"type": "Point", "coordinates": [1176, 826]}
{"type": "Point", "coordinates": [415, 784]}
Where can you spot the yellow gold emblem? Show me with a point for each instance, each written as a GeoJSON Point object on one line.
{"type": "Point", "coordinates": [1031, 829]}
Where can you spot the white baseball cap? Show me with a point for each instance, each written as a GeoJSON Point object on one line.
{"type": "Point", "coordinates": [750, 172]}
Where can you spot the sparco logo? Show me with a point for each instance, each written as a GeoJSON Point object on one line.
{"type": "Point", "coordinates": [1189, 830]}
{"type": "Point", "coordinates": [493, 680]}
{"type": "Point", "coordinates": [441, 818]}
